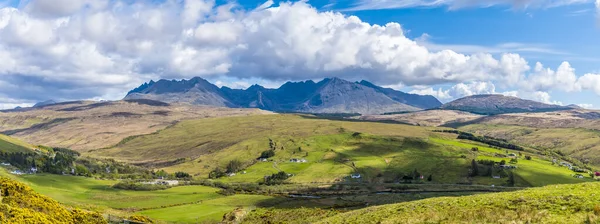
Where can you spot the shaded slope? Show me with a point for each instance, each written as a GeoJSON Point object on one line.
{"type": "Point", "coordinates": [577, 203]}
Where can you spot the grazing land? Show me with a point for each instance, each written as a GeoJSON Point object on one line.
{"type": "Point", "coordinates": [326, 167]}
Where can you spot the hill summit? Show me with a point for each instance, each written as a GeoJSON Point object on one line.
{"type": "Point", "coordinates": [331, 95]}
{"type": "Point", "coordinates": [491, 104]}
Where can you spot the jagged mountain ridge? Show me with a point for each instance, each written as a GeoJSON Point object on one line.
{"type": "Point", "coordinates": [331, 95]}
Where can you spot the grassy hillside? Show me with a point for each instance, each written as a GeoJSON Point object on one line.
{"type": "Point", "coordinates": [577, 203]}
{"type": "Point", "coordinates": [582, 144]}
{"type": "Point", "coordinates": [9, 145]}
{"type": "Point", "coordinates": [20, 204]}
{"type": "Point", "coordinates": [332, 149]}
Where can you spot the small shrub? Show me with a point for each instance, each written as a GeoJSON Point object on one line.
{"type": "Point", "coordinates": [597, 209]}
{"type": "Point", "coordinates": [474, 149]}
{"type": "Point", "coordinates": [528, 157]}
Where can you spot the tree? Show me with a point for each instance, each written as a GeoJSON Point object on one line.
{"type": "Point", "coordinates": [182, 175]}
{"type": "Point", "coordinates": [511, 179]}
{"type": "Point", "coordinates": [474, 149]}
{"type": "Point", "coordinates": [162, 174]}
{"type": "Point", "coordinates": [474, 168]}
{"type": "Point", "coordinates": [514, 160]}
{"type": "Point", "coordinates": [216, 173]}
{"type": "Point", "coordinates": [267, 154]}
{"type": "Point", "coordinates": [82, 171]}
{"type": "Point", "coordinates": [503, 162]}
{"type": "Point", "coordinates": [528, 157]}
{"type": "Point", "coordinates": [234, 166]}
{"type": "Point", "coordinates": [429, 178]}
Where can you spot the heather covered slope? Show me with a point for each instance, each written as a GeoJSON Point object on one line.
{"type": "Point", "coordinates": [577, 203]}
{"type": "Point", "coordinates": [20, 204]}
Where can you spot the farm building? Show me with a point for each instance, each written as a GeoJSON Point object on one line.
{"type": "Point", "coordinates": [298, 160]}
{"type": "Point", "coordinates": [355, 176]}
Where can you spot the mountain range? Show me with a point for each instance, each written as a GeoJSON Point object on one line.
{"type": "Point", "coordinates": [331, 95]}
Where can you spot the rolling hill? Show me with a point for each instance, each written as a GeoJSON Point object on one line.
{"type": "Point", "coordinates": [499, 104]}
{"type": "Point", "coordinates": [85, 125]}
{"type": "Point", "coordinates": [331, 95]}
{"type": "Point", "coordinates": [333, 150]}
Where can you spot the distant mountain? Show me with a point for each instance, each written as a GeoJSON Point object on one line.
{"type": "Point", "coordinates": [195, 91]}
{"type": "Point", "coordinates": [331, 95]}
{"type": "Point", "coordinates": [44, 103]}
{"type": "Point", "coordinates": [575, 106]}
{"type": "Point", "coordinates": [420, 101]}
{"type": "Point", "coordinates": [499, 104]}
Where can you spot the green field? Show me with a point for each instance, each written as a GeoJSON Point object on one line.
{"type": "Point", "coordinates": [10, 145]}
{"type": "Point", "coordinates": [183, 204]}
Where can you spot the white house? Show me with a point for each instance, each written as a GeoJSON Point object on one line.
{"type": "Point", "coordinates": [230, 174]}
{"type": "Point", "coordinates": [34, 170]}
{"type": "Point", "coordinates": [355, 176]}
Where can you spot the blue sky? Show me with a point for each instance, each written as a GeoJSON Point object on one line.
{"type": "Point", "coordinates": [100, 49]}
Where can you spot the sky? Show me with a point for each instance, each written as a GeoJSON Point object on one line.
{"type": "Point", "coordinates": [544, 50]}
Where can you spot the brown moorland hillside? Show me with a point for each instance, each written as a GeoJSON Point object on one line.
{"type": "Point", "coordinates": [85, 125]}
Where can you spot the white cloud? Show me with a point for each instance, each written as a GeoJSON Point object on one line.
{"type": "Point", "coordinates": [456, 4]}
{"type": "Point", "coordinates": [585, 105]}
{"type": "Point", "coordinates": [104, 48]}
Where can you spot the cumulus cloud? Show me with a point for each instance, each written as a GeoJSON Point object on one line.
{"type": "Point", "coordinates": [456, 4]}
{"type": "Point", "coordinates": [96, 48]}
{"type": "Point", "coordinates": [103, 48]}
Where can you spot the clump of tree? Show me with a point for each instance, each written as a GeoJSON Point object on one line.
{"type": "Point", "coordinates": [183, 175]}
{"type": "Point", "coordinates": [511, 179]}
{"type": "Point", "coordinates": [217, 173]}
{"type": "Point", "coordinates": [138, 186]}
{"type": "Point", "coordinates": [234, 166]}
{"type": "Point", "coordinates": [474, 168]}
{"type": "Point", "coordinates": [267, 154]}
{"type": "Point", "coordinates": [490, 141]}
{"type": "Point", "coordinates": [277, 178]}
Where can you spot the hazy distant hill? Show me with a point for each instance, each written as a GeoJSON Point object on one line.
{"type": "Point", "coordinates": [45, 103]}
{"type": "Point", "coordinates": [331, 95]}
{"type": "Point", "coordinates": [499, 104]}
